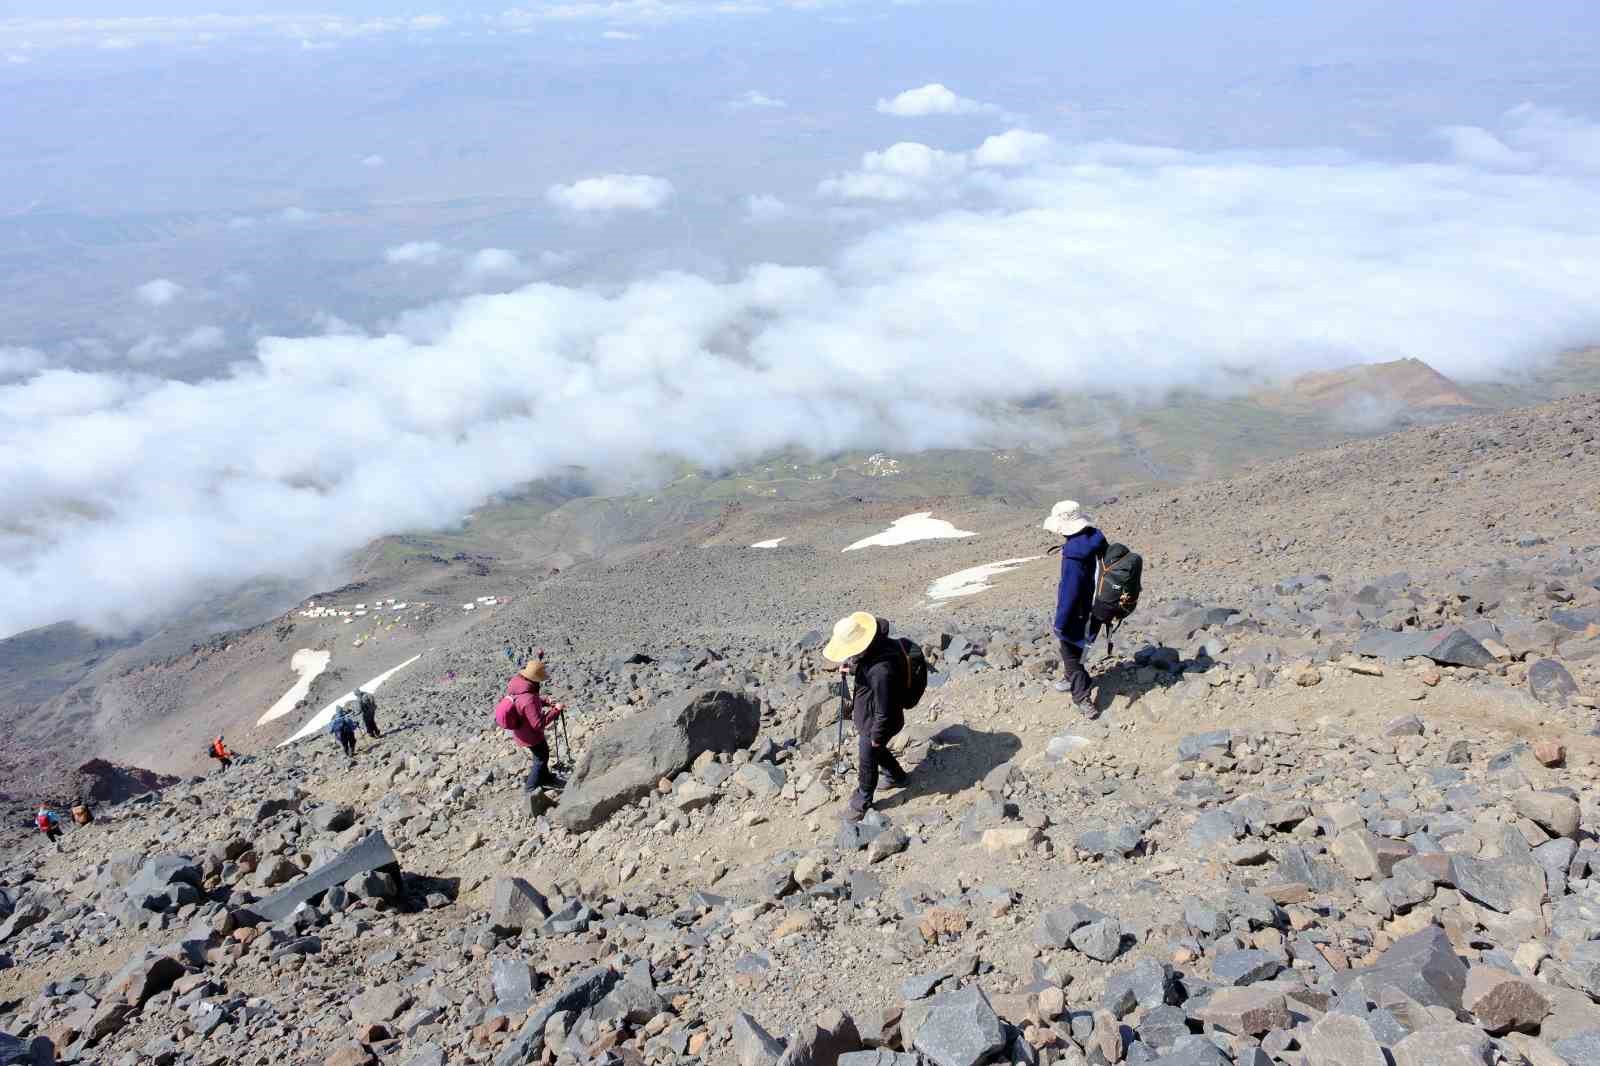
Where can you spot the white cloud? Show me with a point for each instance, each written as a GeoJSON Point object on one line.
{"type": "Point", "coordinates": [372, 162]}
{"type": "Point", "coordinates": [492, 266]}
{"type": "Point", "coordinates": [157, 347]}
{"type": "Point", "coordinates": [241, 222]}
{"type": "Point", "coordinates": [425, 253]}
{"type": "Point", "coordinates": [295, 215]}
{"type": "Point", "coordinates": [1013, 148]}
{"type": "Point", "coordinates": [124, 495]}
{"type": "Point", "coordinates": [932, 99]}
{"type": "Point", "coordinates": [763, 208]}
{"type": "Point", "coordinates": [753, 100]}
{"type": "Point", "coordinates": [159, 292]}
{"type": "Point", "coordinates": [901, 172]}
{"type": "Point", "coordinates": [612, 192]}
{"type": "Point", "coordinates": [18, 362]}
{"type": "Point", "coordinates": [619, 35]}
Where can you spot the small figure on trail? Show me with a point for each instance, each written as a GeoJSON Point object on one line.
{"type": "Point", "coordinates": [344, 728]}
{"type": "Point", "coordinates": [526, 713]}
{"type": "Point", "coordinates": [49, 823]}
{"type": "Point", "coordinates": [369, 711]}
{"type": "Point", "coordinates": [890, 677]}
{"type": "Point", "coordinates": [220, 752]}
{"type": "Point", "coordinates": [1083, 551]}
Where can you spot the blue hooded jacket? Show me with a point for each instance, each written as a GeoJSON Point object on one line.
{"type": "Point", "coordinates": [1075, 595]}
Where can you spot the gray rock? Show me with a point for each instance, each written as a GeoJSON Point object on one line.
{"type": "Point", "coordinates": [1245, 967]}
{"type": "Point", "coordinates": [1148, 985]}
{"type": "Point", "coordinates": [26, 915]}
{"type": "Point", "coordinates": [821, 1042]}
{"type": "Point", "coordinates": [1102, 842]}
{"type": "Point", "coordinates": [957, 1028]}
{"type": "Point", "coordinates": [1579, 1048]}
{"type": "Point", "coordinates": [1194, 1051]}
{"type": "Point", "coordinates": [625, 760]}
{"type": "Point", "coordinates": [1582, 967]}
{"type": "Point", "coordinates": [1215, 827]}
{"type": "Point", "coordinates": [157, 876]}
{"type": "Point", "coordinates": [753, 1045]}
{"type": "Point", "coordinates": [378, 1005]}
{"type": "Point", "coordinates": [333, 817]}
{"type": "Point", "coordinates": [634, 1002]}
{"type": "Point", "coordinates": [1445, 1045]}
{"type": "Point", "coordinates": [1195, 745]}
{"type": "Point", "coordinates": [143, 977]}
{"type": "Point", "coordinates": [1244, 1011]}
{"type": "Point", "coordinates": [1550, 683]}
{"type": "Point", "coordinates": [1449, 647]}
{"type": "Point", "coordinates": [580, 993]}
{"type": "Point", "coordinates": [891, 841]}
{"type": "Point", "coordinates": [878, 1057]}
{"type": "Point", "coordinates": [1101, 940]}
{"type": "Point", "coordinates": [1343, 1040]}
{"type": "Point", "coordinates": [512, 981]}
{"type": "Point", "coordinates": [1055, 926]}
{"type": "Point", "coordinates": [425, 1055]}
{"type": "Point", "coordinates": [1423, 966]}
{"type": "Point", "coordinates": [1503, 885]}
{"type": "Point", "coordinates": [761, 779]}
{"type": "Point", "coordinates": [15, 1051]}
{"type": "Point", "coordinates": [1163, 1026]}
{"type": "Point", "coordinates": [372, 852]}
{"type": "Point", "coordinates": [516, 905]}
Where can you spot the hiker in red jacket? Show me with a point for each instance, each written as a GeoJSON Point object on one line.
{"type": "Point", "coordinates": [220, 752]}
{"type": "Point", "coordinates": [526, 713]}
{"type": "Point", "coordinates": [49, 823]}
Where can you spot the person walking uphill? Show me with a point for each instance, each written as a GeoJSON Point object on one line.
{"type": "Point", "coordinates": [369, 712]}
{"type": "Point", "coordinates": [220, 752]}
{"type": "Point", "coordinates": [886, 674]}
{"type": "Point", "coordinates": [525, 713]}
{"type": "Point", "coordinates": [343, 727]}
{"type": "Point", "coordinates": [1082, 552]}
{"type": "Point", "coordinates": [49, 823]}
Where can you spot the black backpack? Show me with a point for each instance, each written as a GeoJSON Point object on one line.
{"type": "Point", "coordinates": [916, 670]}
{"type": "Point", "coordinates": [1116, 596]}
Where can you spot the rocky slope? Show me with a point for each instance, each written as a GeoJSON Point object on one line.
{"type": "Point", "coordinates": [1339, 807]}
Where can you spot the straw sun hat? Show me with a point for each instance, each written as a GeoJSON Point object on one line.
{"type": "Point", "coordinates": [851, 635]}
{"type": "Point", "coordinates": [1066, 518]}
{"type": "Point", "coordinates": [535, 670]}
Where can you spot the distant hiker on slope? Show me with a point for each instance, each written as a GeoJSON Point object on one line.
{"type": "Point", "coordinates": [369, 712]}
{"type": "Point", "coordinates": [525, 713]}
{"type": "Point", "coordinates": [220, 752]}
{"type": "Point", "coordinates": [49, 823]}
{"type": "Point", "coordinates": [890, 677]}
{"type": "Point", "coordinates": [1082, 553]}
{"type": "Point", "coordinates": [344, 728]}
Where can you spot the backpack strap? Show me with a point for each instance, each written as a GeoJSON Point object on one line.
{"type": "Point", "coordinates": [910, 676]}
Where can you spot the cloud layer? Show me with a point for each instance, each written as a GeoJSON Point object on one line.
{"type": "Point", "coordinates": [932, 99]}
{"type": "Point", "coordinates": [612, 192]}
{"type": "Point", "coordinates": [1044, 267]}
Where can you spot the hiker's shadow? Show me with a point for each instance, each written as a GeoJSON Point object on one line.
{"type": "Point", "coordinates": [1155, 669]}
{"type": "Point", "coordinates": [950, 759]}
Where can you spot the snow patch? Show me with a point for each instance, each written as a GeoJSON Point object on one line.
{"type": "Point", "coordinates": [919, 526]}
{"type": "Point", "coordinates": [973, 580]}
{"type": "Point", "coordinates": [320, 720]}
{"type": "Point", "coordinates": [308, 663]}
{"type": "Point", "coordinates": [773, 543]}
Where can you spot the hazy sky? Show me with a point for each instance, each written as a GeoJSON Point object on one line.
{"type": "Point", "coordinates": [278, 283]}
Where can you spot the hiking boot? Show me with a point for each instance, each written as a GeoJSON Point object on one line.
{"type": "Point", "coordinates": [1088, 709]}
{"type": "Point", "coordinates": [900, 780]}
{"type": "Point", "coordinates": [1063, 686]}
{"type": "Point", "coordinates": [856, 809]}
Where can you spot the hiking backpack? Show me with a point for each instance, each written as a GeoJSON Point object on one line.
{"type": "Point", "coordinates": [1116, 594]}
{"type": "Point", "coordinates": [916, 670]}
{"type": "Point", "coordinates": [506, 715]}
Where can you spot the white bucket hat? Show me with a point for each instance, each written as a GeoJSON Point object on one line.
{"type": "Point", "coordinates": [851, 636]}
{"type": "Point", "coordinates": [1066, 518]}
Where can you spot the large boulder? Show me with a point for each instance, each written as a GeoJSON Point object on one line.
{"type": "Point", "coordinates": [1550, 683]}
{"type": "Point", "coordinates": [1449, 647]}
{"type": "Point", "coordinates": [1423, 965]}
{"type": "Point", "coordinates": [957, 1028]}
{"type": "Point", "coordinates": [624, 762]}
{"type": "Point", "coordinates": [371, 852]}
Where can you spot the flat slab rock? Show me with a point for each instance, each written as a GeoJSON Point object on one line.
{"type": "Point", "coordinates": [1448, 647]}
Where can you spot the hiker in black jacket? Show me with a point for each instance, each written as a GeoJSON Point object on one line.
{"type": "Point", "coordinates": [861, 646]}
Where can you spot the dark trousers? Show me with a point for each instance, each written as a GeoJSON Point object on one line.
{"type": "Point", "coordinates": [1076, 675]}
{"type": "Point", "coordinates": [347, 741]}
{"type": "Point", "coordinates": [539, 772]}
{"type": "Point", "coordinates": [224, 761]}
{"type": "Point", "coordinates": [370, 720]}
{"type": "Point", "coordinates": [53, 835]}
{"type": "Point", "coordinates": [871, 758]}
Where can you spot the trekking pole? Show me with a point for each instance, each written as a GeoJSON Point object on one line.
{"type": "Point", "coordinates": [844, 709]}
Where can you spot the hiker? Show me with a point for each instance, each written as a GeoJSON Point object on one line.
{"type": "Point", "coordinates": [525, 712]}
{"type": "Point", "coordinates": [861, 645]}
{"type": "Point", "coordinates": [344, 727]}
{"type": "Point", "coordinates": [220, 752]}
{"type": "Point", "coordinates": [1083, 551]}
{"type": "Point", "coordinates": [369, 712]}
{"type": "Point", "coordinates": [49, 823]}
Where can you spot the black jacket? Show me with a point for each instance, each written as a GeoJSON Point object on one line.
{"type": "Point", "coordinates": [880, 687]}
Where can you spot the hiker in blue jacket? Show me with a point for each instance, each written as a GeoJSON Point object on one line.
{"type": "Point", "coordinates": [1082, 553]}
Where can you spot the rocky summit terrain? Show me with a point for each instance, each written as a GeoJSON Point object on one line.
{"type": "Point", "coordinates": [1339, 807]}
